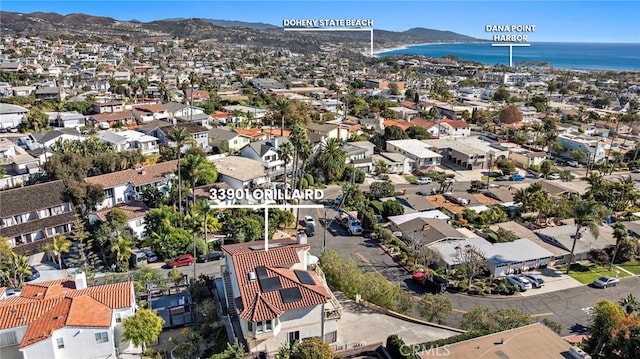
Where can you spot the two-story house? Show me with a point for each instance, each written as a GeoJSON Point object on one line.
{"type": "Point", "coordinates": [163, 130]}
{"type": "Point", "coordinates": [222, 137]}
{"type": "Point", "coordinates": [126, 186]}
{"type": "Point", "coordinates": [267, 152]}
{"type": "Point", "coordinates": [274, 296]}
{"type": "Point", "coordinates": [135, 212]}
{"type": "Point", "coordinates": [149, 112]}
{"type": "Point", "coordinates": [31, 216]}
{"type": "Point", "coordinates": [107, 107]}
{"type": "Point", "coordinates": [68, 119]}
{"type": "Point", "coordinates": [416, 150]}
{"type": "Point", "coordinates": [187, 113]}
{"type": "Point", "coordinates": [131, 141]}
{"type": "Point", "coordinates": [65, 319]}
{"type": "Point", "coordinates": [11, 116]}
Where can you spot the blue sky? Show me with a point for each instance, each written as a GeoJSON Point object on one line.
{"type": "Point", "coordinates": [569, 21]}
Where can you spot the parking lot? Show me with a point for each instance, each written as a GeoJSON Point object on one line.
{"type": "Point", "coordinates": [554, 280]}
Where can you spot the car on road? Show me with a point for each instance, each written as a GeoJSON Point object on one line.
{"type": "Point", "coordinates": [554, 176]}
{"type": "Point", "coordinates": [213, 256]}
{"type": "Point", "coordinates": [517, 177]}
{"type": "Point", "coordinates": [33, 276]}
{"type": "Point", "coordinates": [536, 280]}
{"type": "Point", "coordinates": [606, 281]}
{"type": "Point", "coordinates": [337, 201]}
{"type": "Point", "coordinates": [635, 170]}
{"type": "Point", "coordinates": [182, 260]}
{"type": "Point", "coordinates": [309, 226]}
{"type": "Point", "coordinates": [519, 281]}
{"type": "Point", "coordinates": [423, 180]}
{"type": "Point", "coordinates": [151, 256]}
{"type": "Point", "coordinates": [308, 219]}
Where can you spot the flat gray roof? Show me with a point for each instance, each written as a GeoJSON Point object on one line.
{"type": "Point", "coordinates": [520, 250]}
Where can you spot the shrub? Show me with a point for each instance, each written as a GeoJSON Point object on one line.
{"type": "Point", "coordinates": [309, 179]}
{"type": "Point", "coordinates": [395, 346]}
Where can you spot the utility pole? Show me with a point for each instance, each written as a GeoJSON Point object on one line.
{"type": "Point", "coordinates": [326, 225]}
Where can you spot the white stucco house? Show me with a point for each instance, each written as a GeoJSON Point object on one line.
{"type": "Point", "coordinates": [135, 212]}
{"type": "Point", "coordinates": [267, 152]}
{"type": "Point", "coordinates": [274, 296]}
{"type": "Point", "coordinates": [126, 186]}
{"type": "Point", "coordinates": [11, 116]}
{"type": "Point", "coordinates": [64, 319]}
{"type": "Point", "coordinates": [419, 151]}
{"type": "Point", "coordinates": [131, 141]}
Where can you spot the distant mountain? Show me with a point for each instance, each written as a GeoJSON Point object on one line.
{"type": "Point", "coordinates": [222, 31]}
{"type": "Point", "coordinates": [436, 35]}
{"type": "Point", "coordinates": [234, 23]}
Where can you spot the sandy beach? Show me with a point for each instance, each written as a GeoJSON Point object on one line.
{"type": "Point", "coordinates": [402, 47]}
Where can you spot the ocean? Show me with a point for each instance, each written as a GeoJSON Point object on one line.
{"type": "Point", "coordinates": [585, 56]}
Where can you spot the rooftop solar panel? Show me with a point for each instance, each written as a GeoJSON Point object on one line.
{"type": "Point", "coordinates": [304, 277]}
{"type": "Point", "coordinates": [261, 271]}
{"type": "Point", "coordinates": [289, 295]}
{"type": "Point", "coordinates": [269, 284]}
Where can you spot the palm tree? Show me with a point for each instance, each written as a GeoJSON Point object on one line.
{"type": "Point", "coordinates": [282, 107]}
{"type": "Point", "coordinates": [180, 136]}
{"type": "Point", "coordinates": [630, 304]}
{"type": "Point", "coordinates": [586, 214]}
{"type": "Point", "coordinates": [620, 234]}
{"type": "Point", "coordinates": [19, 267]}
{"type": "Point", "coordinates": [285, 153]}
{"type": "Point", "coordinates": [332, 157]}
{"type": "Point", "coordinates": [122, 249]}
{"type": "Point", "coordinates": [195, 168]}
{"type": "Point", "coordinates": [59, 245]}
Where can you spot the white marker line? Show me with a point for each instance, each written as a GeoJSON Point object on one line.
{"type": "Point", "coordinates": [511, 50]}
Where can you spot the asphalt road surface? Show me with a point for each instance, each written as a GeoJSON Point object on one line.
{"type": "Point", "coordinates": [569, 307]}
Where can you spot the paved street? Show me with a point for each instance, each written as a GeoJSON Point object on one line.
{"type": "Point", "coordinates": [569, 307]}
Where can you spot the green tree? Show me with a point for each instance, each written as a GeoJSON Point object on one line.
{"type": "Point", "coordinates": [285, 153]}
{"type": "Point", "coordinates": [181, 137]}
{"type": "Point", "coordinates": [122, 249]}
{"type": "Point", "coordinates": [418, 133]}
{"type": "Point", "coordinates": [58, 245]}
{"type": "Point", "coordinates": [188, 345]}
{"type": "Point", "coordinates": [501, 94]}
{"type": "Point", "coordinates": [553, 325]}
{"type": "Point", "coordinates": [282, 108]}
{"type": "Point", "coordinates": [381, 189]}
{"type": "Point", "coordinates": [478, 319]}
{"type": "Point", "coordinates": [19, 268]}
{"type": "Point", "coordinates": [587, 214]}
{"type": "Point", "coordinates": [142, 328]}
{"type": "Point", "coordinates": [392, 208]}
{"type": "Point", "coordinates": [331, 159]}
{"type": "Point", "coordinates": [152, 196]}
{"type": "Point", "coordinates": [235, 351]}
{"type": "Point", "coordinates": [630, 304]}
{"type": "Point", "coordinates": [196, 169]}
{"type": "Point", "coordinates": [434, 307]}
{"type": "Point", "coordinates": [507, 167]}
{"type": "Point", "coordinates": [607, 316]}
{"type": "Point", "coordinates": [313, 348]}
{"type": "Point", "coordinates": [287, 349]}
{"type": "Point", "coordinates": [546, 167]}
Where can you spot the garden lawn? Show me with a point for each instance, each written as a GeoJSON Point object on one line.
{"type": "Point", "coordinates": [411, 178]}
{"type": "Point", "coordinates": [631, 266]}
{"type": "Point", "coordinates": [588, 273]}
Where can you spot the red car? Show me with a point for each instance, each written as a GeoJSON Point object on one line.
{"type": "Point", "coordinates": [182, 260]}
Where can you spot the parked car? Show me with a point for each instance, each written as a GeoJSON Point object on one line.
{"type": "Point", "coordinates": [635, 170]}
{"type": "Point", "coordinates": [536, 280]}
{"type": "Point", "coordinates": [34, 274]}
{"type": "Point", "coordinates": [151, 256]}
{"type": "Point", "coordinates": [423, 180]}
{"type": "Point", "coordinates": [520, 281]}
{"type": "Point", "coordinates": [432, 282]}
{"type": "Point", "coordinates": [606, 281]}
{"type": "Point", "coordinates": [554, 176]}
{"type": "Point", "coordinates": [573, 163]}
{"type": "Point", "coordinates": [517, 177]}
{"type": "Point", "coordinates": [213, 256]}
{"type": "Point", "coordinates": [182, 260]}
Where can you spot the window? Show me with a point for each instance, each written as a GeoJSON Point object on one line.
{"type": "Point", "coordinates": [258, 327]}
{"type": "Point", "coordinates": [60, 343]}
{"type": "Point", "coordinates": [118, 318]}
{"type": "Point", "coordinates": [108, 193]}
{"type": "Point", "coordinates": [268, 325]}
{"type": "Point", "coordinates": [250, 326]}
{"type": "Point", "coordinates": [102, 337]}
{"type": "Point", "coordinates": [293, 336]}
{"type": "Point", "coordinates": [263, 326]}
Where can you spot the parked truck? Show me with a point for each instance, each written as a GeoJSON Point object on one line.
{"type": "Point", "coordinates": [350, 222]}
{"type": "Point", "coordinates": [432, 282]}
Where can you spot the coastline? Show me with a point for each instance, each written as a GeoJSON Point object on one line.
{"type": "Point", "coordinates": [377, 53]}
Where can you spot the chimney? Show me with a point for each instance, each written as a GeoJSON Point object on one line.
{"type": "Point", "coordinates": [81, 280]}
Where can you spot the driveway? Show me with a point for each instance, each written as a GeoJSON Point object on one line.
{"type": "Point", "coordinates": [362, 325]}
{"type": "Point", "coordinates": [554, 280]}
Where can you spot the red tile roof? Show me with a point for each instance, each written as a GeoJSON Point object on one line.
{"type": "Point", "coordinates": [149, 174]}
{"type": "Point", "coordinates": [47, 306]}
{"type": "Point", "coordinates": [257, 305]}
{"type": "Point", "coordinates": [455, 123]}
{"type": "Point", "coordinates": [402, 124]}
{"type": "Point", "coordinates": [153, 108]}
